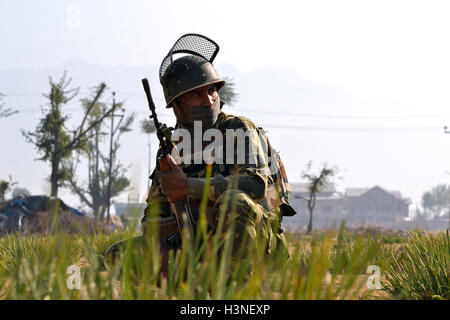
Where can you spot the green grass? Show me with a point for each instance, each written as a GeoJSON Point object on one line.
{"type": "Point", "coordinates": [34, 267]}
{"type": "Point", "coordinates": [324, 265]}
{"type": "Point", "coordinates": [420, 269]}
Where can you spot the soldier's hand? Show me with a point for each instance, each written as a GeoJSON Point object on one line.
{"type": "Point", "coordinates": [174, 183]}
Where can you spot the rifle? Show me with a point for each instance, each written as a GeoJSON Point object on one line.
{"type": "Point", "coordinates": [181, 209]}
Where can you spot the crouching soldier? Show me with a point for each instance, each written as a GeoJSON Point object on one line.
{"type": "Point", "coordinates": [247, 177]}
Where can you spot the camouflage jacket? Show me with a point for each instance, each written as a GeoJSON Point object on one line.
{"type": "Point", "coordinates": [253, 176]}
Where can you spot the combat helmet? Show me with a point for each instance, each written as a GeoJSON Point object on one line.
{"type": "Point", "coordinates": [192, 70]}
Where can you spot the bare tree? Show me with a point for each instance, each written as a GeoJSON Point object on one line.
{"type": "Point", "coordinates": [95, 193]}
{"type": "Point", "coordinates": [316, 183]}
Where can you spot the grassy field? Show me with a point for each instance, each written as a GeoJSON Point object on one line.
{"type": "Point", "coordinates": [322, 265]}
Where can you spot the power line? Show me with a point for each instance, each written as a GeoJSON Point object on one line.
{"type": "Point", "coordinates": [290, 127]}
{"type": "Point", "coordinates": [350, 116]}
{"type": "Point", "coordinates": [354, 129]}
{"type": "Point", "coordinates": [296, 127]}
{"type": "Point", "coordinates": [320, 128]}
{"type": "Point", "coordinates": [22, 94]}
{"type": "Point", "coordinates": [305, 115]}
{"type": "Point", "coordinates": [321, 116]}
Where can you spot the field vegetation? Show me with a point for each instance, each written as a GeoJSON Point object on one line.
{"type": "Point", "coordinates": [322, 265]}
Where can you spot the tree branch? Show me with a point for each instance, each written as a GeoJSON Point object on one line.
{"type": "Point", "coordinates": [80, 192]}
{"type": "Point", "coordinates": [76, 140]}
{"type": "Point", "coordinates": [97, 96]}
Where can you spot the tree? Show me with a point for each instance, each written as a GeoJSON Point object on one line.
{"type": "Point", "coordinates": [436, 201]}
{"type": "Point", "coordinates": [5, 112]}
{"type": "Point", "coordinates": [51, 137]}
{"type": "Point", "coordinates": [5, 186]}
{"type": "Point", "coordinates": [227, 93]}
{"type": "Point", "coordinates": [94, 193]}
{"type": "Point", "coordinates": [148, 127]}
{"type": "Point", "coordinates": [316, 183]}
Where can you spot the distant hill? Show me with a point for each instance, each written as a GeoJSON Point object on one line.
{"type": "Point", "coordinates": [272, 97]}
{"type": "Point", "coordinates": [265, 89]}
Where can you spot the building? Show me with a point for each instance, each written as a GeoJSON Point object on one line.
{"type": "Point", "coordinates": [376, 206]}
{"type": "Point", "coordinates": [356, 207]}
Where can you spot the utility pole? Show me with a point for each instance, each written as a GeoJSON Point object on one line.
{"type": "Point", "coordinates": [113, 131]}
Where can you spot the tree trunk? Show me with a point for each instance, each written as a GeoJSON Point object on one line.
{"type": "Point", "coordinates": [310, 220]}
{"type": "Point", "coordinates": [53, 205]}
{"type": "Point", "coordinates": [102, 211]}
{"type": "Point", "coordinates": [54, 179]}
{"type": "Point", "coordinates": [311, 205]}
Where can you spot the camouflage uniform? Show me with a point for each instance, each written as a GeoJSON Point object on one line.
{"type": "Point", "coordinates": [255, 216]}
{"type": "Point", "coordinates": [256, 195]}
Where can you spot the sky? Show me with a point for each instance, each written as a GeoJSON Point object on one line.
{"type": "Point", "coordinates": [388, 59]}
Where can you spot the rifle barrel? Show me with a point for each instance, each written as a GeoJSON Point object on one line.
{"type": "Point", "coordinates": [179, 208]}
{"type": "Point", "coordinates": [151, 104]}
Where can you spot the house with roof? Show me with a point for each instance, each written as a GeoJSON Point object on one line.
{"type": "Point", "coordinates": [376, 206]}
{"type": "Point", "coordinates": [356, 206]}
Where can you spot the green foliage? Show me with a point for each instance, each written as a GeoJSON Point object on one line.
{"type": "Point", "coordinates": [35, 267]}
{"type": "Point", "coordinates": [36, 263]}
{"type": "Point", "coordinates": [421, 269]}
{"type": "Point", "coordinates": [437, 200]}
{"type": "Point", "coordinates": [5, 186]}
{"type": "Point", "coordinates": [207, 267]}
{"type": "Point", "coordinates": [51, 137]}
{"type": "Point", "coordinates": [322, 265]}
{"type": "Point", "coordinates": [148, 126]}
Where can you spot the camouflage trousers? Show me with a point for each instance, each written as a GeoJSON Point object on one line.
{"type": "Point", "coordinates": [249, 222]}
{"type": "Point", "coordinates": [252, 222]}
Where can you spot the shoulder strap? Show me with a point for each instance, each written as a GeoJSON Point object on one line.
{"type": "Point", "coordinates": [278, 188]}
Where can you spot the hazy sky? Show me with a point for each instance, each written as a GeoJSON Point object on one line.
{"type": "Point", "coordinates": [391, 56]}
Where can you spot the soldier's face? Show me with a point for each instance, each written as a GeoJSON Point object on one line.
{"type": "Point", "coordinates": [202, 104]}
{"type": "Point", "coordinates": [203, 96]}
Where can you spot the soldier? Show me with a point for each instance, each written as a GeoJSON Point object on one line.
{"type": "Point", "coordinates": [241, 183]}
